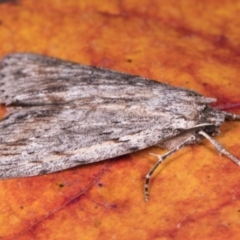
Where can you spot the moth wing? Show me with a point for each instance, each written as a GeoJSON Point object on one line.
{"type": "Point", "coordinates": [38, 140]}
{"type": "Point", "coordinates": [63, 114]}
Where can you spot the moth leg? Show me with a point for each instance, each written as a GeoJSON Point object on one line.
{"type": "Point", "coordinates": [161, 158]}
{"type": "Point", "coordinates": [220, 148]}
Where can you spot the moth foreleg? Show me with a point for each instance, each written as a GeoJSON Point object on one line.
{"type": "Point", "coordinates": [161, 158]}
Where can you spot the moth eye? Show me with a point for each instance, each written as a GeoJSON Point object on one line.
{"type": "Point", "coordinates": [210, 129]}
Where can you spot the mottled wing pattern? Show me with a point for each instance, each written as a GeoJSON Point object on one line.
{"type": "Point", "coordinates": [63, 114]}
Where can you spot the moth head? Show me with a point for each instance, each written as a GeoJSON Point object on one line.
{"type": "Point", "coordinates": [212, 119]}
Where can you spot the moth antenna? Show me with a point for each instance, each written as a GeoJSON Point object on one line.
{"type": "Point", "coordinates": [161, 158]}
{"type": "Point", "coordinates": [231, 116]}
{"type": "Point", "coordinates": [219, 147]}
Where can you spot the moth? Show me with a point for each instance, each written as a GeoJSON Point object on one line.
{"type": "Point", "coordinates": [62, 114]}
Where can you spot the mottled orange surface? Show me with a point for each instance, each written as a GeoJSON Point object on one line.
{"type": "Point", "coordinates": [195, 194]}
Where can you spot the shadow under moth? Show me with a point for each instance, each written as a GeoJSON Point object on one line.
{"type": "Point", "coordinates": [62, 114]}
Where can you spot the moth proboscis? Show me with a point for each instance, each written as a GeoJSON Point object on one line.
{"type": "Point", "coordinates": [63, 114]}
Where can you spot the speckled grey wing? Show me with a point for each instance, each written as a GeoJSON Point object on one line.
{"type": "Point", "coordinates": [63, 114]}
